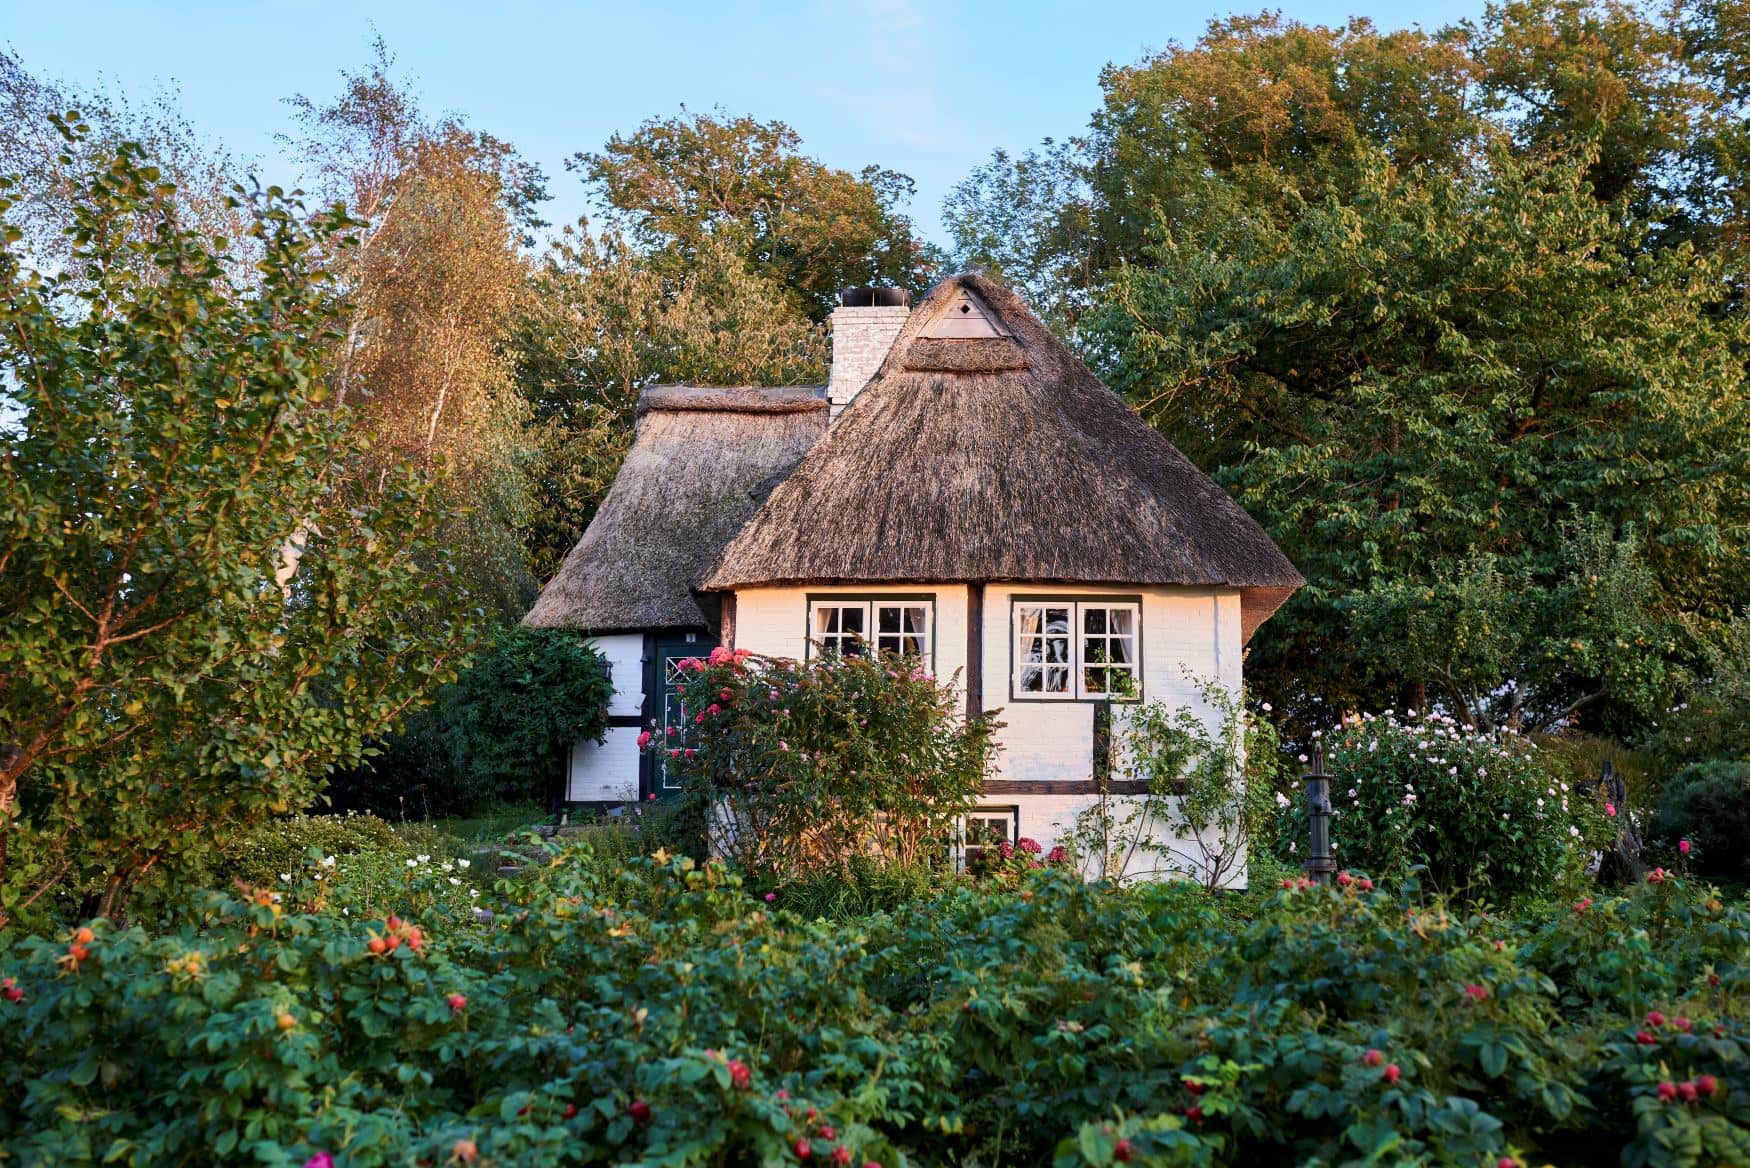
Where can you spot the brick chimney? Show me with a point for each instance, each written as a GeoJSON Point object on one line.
{"type": "Point", "coordinates": [863, 328]}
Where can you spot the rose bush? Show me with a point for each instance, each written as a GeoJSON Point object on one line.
{"type": "Point", "coordinates": [1478, 813]}
{"type": "Point", "coordinates": [659, 1012]}
{"type": "Point", "coordinates": [794, 767]}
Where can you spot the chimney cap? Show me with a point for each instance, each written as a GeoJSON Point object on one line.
{"type": "Point", "coordinates": [872, 297]}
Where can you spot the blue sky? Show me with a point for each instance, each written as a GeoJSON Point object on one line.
{"type": "Point", "coordinates": [923, 86]}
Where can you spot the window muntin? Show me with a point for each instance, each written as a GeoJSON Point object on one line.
{"type": "Point", "coordinates": [850, 627]}
{"type": "Point", "coordinates": [1067, 650]}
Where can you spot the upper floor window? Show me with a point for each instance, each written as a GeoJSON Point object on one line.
{"type": "Point", "coordinates": [850, 626]}
{"type": "Point", "coordinates": [1076, 649]}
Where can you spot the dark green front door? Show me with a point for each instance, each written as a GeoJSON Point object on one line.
{"type": "Point", "coordinates": [663, 655]}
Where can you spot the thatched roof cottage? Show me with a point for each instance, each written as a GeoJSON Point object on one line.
{"type": "Point", "coordinates": [979, 498]}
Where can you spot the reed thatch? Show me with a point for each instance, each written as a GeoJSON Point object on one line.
{"type": "Point", "coordinates": [1010, 462]}
{"type": "Point", "coordinates": [704, 459]}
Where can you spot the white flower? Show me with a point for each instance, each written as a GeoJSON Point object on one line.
{"type": "Point", "coordinates": [1303, 758]}
{"type": "Point", "coordinates": [424, 859]}
{"type": "Point", "coordinates": [1452, 770]}
{"type": "Point", "coordinates": [1574, 831]}
{"type": "Point", "coordinates": [1291, 848]}
{"type": "Point", "coordinates": [328, 861]}
{"type": "Point", "coordinates": [461, 863]}
{"type": "Point", "coordinates": [1482, 772]}
{"type": "Point", "coordinates": [1318, 733]}
{"type": "Point", "coordinates": [276, 898]}
{"type": "Point", "coordinates": [285, 877]}
{"type": "Point", "coordinates": [413, 863]}
{"type": "Point", "coordinates": [1505, 817]}
{"type": "Point", "coordinates": [456, 880]}
{"type": "Point", "coordinates": [1351, 792]}
{"type": "Point", "coordinates": [1281, 799]}
{"type": "Point", "coordinates": [473, 892]}
{"type": "Point", "coordinates": [1410, 799]}
{"type": "Point", "coordinates": [346, 912]}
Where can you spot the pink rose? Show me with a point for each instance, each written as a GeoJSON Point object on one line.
{"type": "Point", "coordinates": [1683, 846]}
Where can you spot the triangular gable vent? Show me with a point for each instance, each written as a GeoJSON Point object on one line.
{"type": "Point", "coordinates": [964, 319]}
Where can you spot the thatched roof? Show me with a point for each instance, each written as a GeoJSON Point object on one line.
{"type": "Point", "coordinates": [703, 460]}
{"type": "Point", "coordinates": [985, 451]}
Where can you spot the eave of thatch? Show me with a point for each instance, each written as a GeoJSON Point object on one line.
{"type": "Point", "coordinates": [1000, 460]}
{"type": "Point", "coordinates": [703, 461]}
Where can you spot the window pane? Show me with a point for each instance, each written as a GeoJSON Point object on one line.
{"type": "Point", "coordinates": [1032, 679]}
{"type": "Point", "coordinates": [851, 619]}
{"type": "Point", "coordinates": [1027, 620]}
{"type": "Point", "coordinates": [1121, 621]}
{"type": "Point", "coordinates": [1094, 620]}
{"type": "Point", "coordinates": [1056, 680]}
{"type": "Point", "coordinates": [887, 618]}
{"type": "Point", "coordinates": [826, 620]}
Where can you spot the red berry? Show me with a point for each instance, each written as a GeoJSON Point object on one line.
{"type": "Point", "coordinates": [84, 937]}
{"type": "Point", "coordinates": [1686, 1091]}
{"type": "Point", "coordinates": [1391, 1073]}
{"type": "Point", "coordinates": [14, 994]}
{"type": "Point", "coordinates": [1682, 1024]}
{"type": "Point", "coordinates": [841, 1155]}
{"type": "Point", "coordinates": [827, 1132]}
{"type": "Point", "coordinates": [780, 1093]}
{"type": "Point", "coordinates": [1366, 885]}
{"type": "Point", "coordinates": [1345, 879]}
{"type": "Point", "coordinates": [1121, 1151]}
{"type": "Point", "coordinates": [803, 1150]}
{"type": "Point", "coordinates": [1194, 1114]}
{"type": "Point", "coordinates": [1505, 1162]}
{"type": "Point", "coordinates": [465, 1151]}
{"type": "Point", "coordinates": [378, 946]}
{"type": "Point", "coordinates": [1373, 1058]}
{"type": "Point", "coordinates": [1645, 1039]}
{"type": "Point", "coordinates": [1667, 1091]}
{"type": "Point", "coordinates": [739, 1075]}
{"type": "Point", "coordinates": [1193, 1087]}
{"type": "Point", "coordinates": [571, 1111]}
{"type": "Point", "coordinates": [1655, 1019]}
{"type": "Point", "coordinates": [639, 1111]}
{"type": "Point", "coordinates": [1707, 1084]}
{"type": "Point", "coordinates": [458, 1003]}
{"type": "Point", "coordinates": [523, 1110]}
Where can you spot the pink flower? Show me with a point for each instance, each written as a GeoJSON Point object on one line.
{"type": "Point", "coordinates": [782, 745]}
{"type": "Point", "coordinates": [458, 1003]}
{"type": "Point", "coordinates": [1006, 848]}
{"type": "Point", "coordinates": [644, 740]}
{"type": "Point", "coordinates": [1475, 992]}
{"type": "Point", "coordinates": [721, 656]}
{"type": "Point", "coordinates": [1683, 846]}
{"type": "Point", "coordinates": [713, 709]}
{"type": "Point", "coordinates": [320, 1160]}
{"type": "Point", "coordinates": [1610, 810]}
{"type": "Point", "coordinates": [688, 752]}
{"type": "Point", "coordinates": [1030, 846]}
{"type": "Point", "coordinates": [771, 897]}
{"type": "Point", "coordinates": [739, 1076]}
{"type": "Point", "coordinates": [1057, 855]}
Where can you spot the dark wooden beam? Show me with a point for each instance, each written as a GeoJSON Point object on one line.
{"type": "Point", "coordinates": [974, 677]}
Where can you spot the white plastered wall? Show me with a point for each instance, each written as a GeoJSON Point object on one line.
{"type": "Point", "coordinates": [608, 771]}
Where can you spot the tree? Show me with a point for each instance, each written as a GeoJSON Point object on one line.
{"type": "Point", "coordinates": [170, 674]}
{"type": "Point", "coordinates": [1455, 369]}
{"type": "Point", "coordinates": [676, 183]}
{"type": "Point", "coordinates": [435, 278]}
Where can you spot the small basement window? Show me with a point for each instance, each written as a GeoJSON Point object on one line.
{"type": "Point", "coordinates": [1067, 650]}
{"type": "Point", "coordinates": [850, 626]}
{"type": "Point", "coordinates": [987, 828]}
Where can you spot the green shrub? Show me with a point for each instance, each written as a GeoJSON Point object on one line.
{"type": "Point", "coordinates": [656, 1012]}
{"type": "Point", "coordinates": [1479, 814]}
{"type": "Point", "coordinates": [498, 735]}
{"type": "Point", "coordinates": [793, 768]}
{"type": "Point", "coordinates": [1707, 803]}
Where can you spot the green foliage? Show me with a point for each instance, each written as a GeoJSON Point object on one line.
{"type": "Point", "coordinates": [655, 1012]}
{"type": "Point", "coordinates": [1478, 814]}
{"type": "Point", "coordinates": [1210, 802]}
{"type": "Point", "coordinates": [793, 767]}
{"type": "Point", "coordinates": [681, 184]}
{"type": "Point", "coordinates": [1454, 428]}
{"type": "Point", "coordinates": [201, 617]}
{"type": "Point", "coordinates": [1708, 804]}
{"type": "Point", "coordinates": [497, 735]}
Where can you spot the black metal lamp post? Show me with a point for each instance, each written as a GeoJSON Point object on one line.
{"type": "Point", "coordinates": [1319, 862]}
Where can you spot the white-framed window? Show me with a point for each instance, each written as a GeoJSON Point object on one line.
{"type": "Point", "coordinates": [987, 828]}
{"type": "Point", "coordinates": [1069, 650]}
{"type": "Point", "coordinates": [853, 625]}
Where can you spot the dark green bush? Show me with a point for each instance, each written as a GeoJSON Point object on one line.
{"type": "Point", "coordinates": [1707, 803]}
{"type": "Point", "coordinates": [498, 735]}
